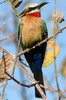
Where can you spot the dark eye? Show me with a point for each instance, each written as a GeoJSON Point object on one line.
{"type": "Point", "coordinates": [30, 8]}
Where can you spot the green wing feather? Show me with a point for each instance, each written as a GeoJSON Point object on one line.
{"type": "Point", "coordinates": [44, 30]}
{"type": "Point", "coordinates": [20, 37]}
{"type": "Point", "coordinates": [20, 33]}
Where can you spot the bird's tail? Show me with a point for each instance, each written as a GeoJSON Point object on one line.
{"type": "Point", "coordinates": [39, 77]}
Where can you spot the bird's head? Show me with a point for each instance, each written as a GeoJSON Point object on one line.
{"type": "Point", "coordinates": [33, 9]}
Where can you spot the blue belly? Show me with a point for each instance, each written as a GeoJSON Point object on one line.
{"type": "Point", "coordinates": [37, 60]}
{"type": "Point", "coordinates": [35, 57]}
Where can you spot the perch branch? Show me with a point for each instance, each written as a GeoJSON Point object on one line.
{"type": "Point", "coordinates": [43, 41]}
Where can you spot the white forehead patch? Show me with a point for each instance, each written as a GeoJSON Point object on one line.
{"type": "Point", "coordinates": [32, 5]}
{"type": "Point", "coordinates": [36, 10]}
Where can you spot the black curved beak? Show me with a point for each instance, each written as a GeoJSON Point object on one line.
{"type": "Point", "coordinates": [42, 4]}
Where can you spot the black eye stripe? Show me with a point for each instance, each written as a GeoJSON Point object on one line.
{"type": "Point", "coordinates": [32, 8]}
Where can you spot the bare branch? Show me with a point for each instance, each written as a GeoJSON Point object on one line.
{"type": "Point", "coordinates": [51, 89]}
{"type": "Point", "coordinates": [11, 36]}
{"type": "Point", "coordinates": [55, 67]}
{"type": "Point", "coordinates": [4, 87]}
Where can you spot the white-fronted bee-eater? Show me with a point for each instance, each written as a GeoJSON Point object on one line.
{"type": "Point", "coordinates": [32, 29]}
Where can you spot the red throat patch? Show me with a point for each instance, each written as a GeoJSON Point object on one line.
{"type": "Point", "coordinates": [35, 14]}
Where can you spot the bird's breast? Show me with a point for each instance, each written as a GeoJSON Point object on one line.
{"type": "Point", "coordinates": [31, 30]}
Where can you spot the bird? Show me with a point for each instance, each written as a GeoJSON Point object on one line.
{"type": "Point", "coordinates": [32, 29]}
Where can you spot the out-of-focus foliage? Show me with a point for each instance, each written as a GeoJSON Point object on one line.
{"type": "Point", "coordinates": [8, 62]}
{"type": "Point", "coordinates": [58, 18]}
{"type": "Point", "coordinates": [0, 60]}
{"type": "Point", "coordinates": [63, 67]}
{"type": "Point", "coordinates": [49, 56]}
{"type": "Point", "coordinates": [15, 3]}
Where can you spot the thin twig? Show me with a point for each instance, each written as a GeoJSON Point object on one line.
{"type": "Point", "coordinates": [15, 59]}
{"type": "Point", "coordinates": [11, 36]}
{"type": "Point", "coordinates": [51, 89]}
{"type": "Point", "coordinates": [18, 47]}
{"type": "Point", "coordinates": [31, 85]}
{"type": "Point", "coordinates": [55, 68]}
{"type": "Point", "coordinates": [2, 94]}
